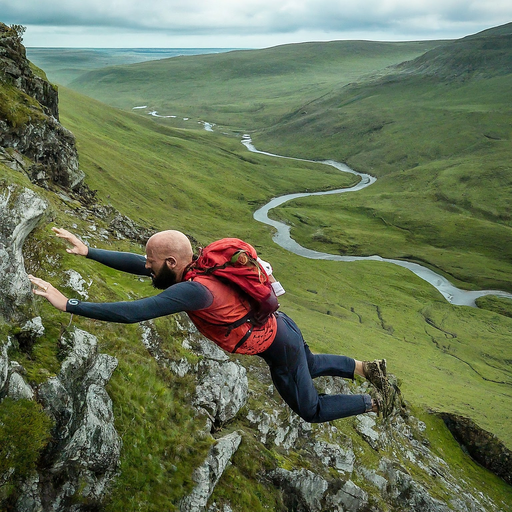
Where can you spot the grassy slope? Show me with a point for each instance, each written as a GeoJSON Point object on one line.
{"type": "Point", "coordinates": [449, 358]}
{"type": "Point", "coordinates": [362, 309]}
{"type": "Point", "coordinates": [440, 142]}
{"type": "Point", "coordinates": [165, 176]}
{"type": "Point", "coordinates": [243, 89]}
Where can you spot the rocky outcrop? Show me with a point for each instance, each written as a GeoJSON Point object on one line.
{"type": "Point", "coordinates": [84, 454]}
{"type": "Point", "coordinates": [52, 148]}
{"type": "Point", "coordinates": [14, 64]}
{"type": "Point", "coordinates": [207, 475]}
{"type": "Point", "coordinates": [20, 211]}
{"type": "Point", "coordinates": [221, 390]}
{"type": "Point", "coordinates": [82, 459]}
{"type": "Point", "coordinates": [483, 446]}
{"type": "Point", "coordinates": [303, 489]}
{"type": "Point", "coordinates": [29, 119]}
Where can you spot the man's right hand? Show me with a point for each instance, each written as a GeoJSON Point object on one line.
{"type": "Point", "coordinates": [79, 248]}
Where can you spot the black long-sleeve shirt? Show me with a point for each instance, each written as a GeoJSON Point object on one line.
{"type": "Point", "coordinates": [185, 296]}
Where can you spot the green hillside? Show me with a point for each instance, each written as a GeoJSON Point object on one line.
{"type": "Point", "coordinates": [207, 186]}
{"type": "Point", "coordinates": [244, 89]}
{"type": "Point", "coordinates": [447, 358]}
{"type": "Point", "coordinates": [437, 132]}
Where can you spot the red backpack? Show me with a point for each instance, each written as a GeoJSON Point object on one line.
{"type": "Point", "coordinates": [234, 260]}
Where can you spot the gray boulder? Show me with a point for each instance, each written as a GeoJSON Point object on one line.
{"type": "Point", "coordinates": [350, 497]}
{"type": "Point", "coordinates": [303, 490]}
{"type": "Point", "coordinates": [209, 473]}
{"type": "Point", "coordinates": [222, 389]}
{"type": "Point", "coordinates": [20, 211]}
{"type": "Point", "coordinates": [18, 388]}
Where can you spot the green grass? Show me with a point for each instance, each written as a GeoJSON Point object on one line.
{"type": "Point", "coordinates": [244, 90]}
{"type": "Point", "coordinates": [17, 108]}
{"type": "Point", "coordinates": [362, 309]}
{"type": "Point", "coordinates": [168, 177]}
{"type": "Point", "coordinates": [448, 358]}
{"type": "Point", "coordinates": [25, 432]}
{"type": "Point", "coordinates": [441, 147]}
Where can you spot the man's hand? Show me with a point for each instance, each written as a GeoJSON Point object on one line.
{"type": "Point", "coordinates": [79, 248]}
{"type": "Point", "coordinates": [46, 290]}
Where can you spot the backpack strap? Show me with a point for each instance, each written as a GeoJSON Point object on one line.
{"type": "Point", "coordinates": [243, 340]}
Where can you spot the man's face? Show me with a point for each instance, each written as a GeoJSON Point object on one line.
{"type": "Point", "coordinates": [163, 278]}
{"type": "Point", "coordinates": [161, 274]}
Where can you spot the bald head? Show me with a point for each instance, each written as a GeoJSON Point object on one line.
{"type": "Point", "coordinates": [171, 243]}
{"type": "Point", "coordinates": [171, 248]}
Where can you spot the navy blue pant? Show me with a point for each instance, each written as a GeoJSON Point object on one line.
{"type": "Point", "coordinates": [293, 368]}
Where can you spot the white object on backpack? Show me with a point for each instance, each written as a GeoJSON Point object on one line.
{"type": "Point", "coordinates": [276, 285]}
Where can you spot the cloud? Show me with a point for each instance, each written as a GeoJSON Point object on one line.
{"type": "Point", "coordinates": [256, 16]}
{"type": "Point", "coordinates": [246, 23]}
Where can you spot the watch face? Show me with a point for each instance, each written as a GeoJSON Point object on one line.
{"type": "Point", "coordinates": [73, 302]}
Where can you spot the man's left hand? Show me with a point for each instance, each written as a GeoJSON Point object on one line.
{"type": "Point", "coordinates": [49, 292]}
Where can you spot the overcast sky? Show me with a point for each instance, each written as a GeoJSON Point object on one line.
{"type": "Point", "coordinates": [245, 23]}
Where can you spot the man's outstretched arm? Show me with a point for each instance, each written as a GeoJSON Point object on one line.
{"type": "Point", "coordinates": [124, 261]}
{"type": "Point", "coordinates": [186, 296]}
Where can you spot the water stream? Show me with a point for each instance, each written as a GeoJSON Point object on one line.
{"type": "Point", "coordinates": [282, 236]}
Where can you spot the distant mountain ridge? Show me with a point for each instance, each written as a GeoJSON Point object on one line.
{"type": "Point", "coordinates": [487, 53]}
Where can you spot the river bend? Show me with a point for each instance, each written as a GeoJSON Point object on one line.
{"type": "Point", "coordinates": [283, 238]}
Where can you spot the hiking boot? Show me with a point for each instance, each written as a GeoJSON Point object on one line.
{"type": "Point", "coordinates": [377, 400]}
{"type": "Point", "coordinates": [389, 399]}
{"type": "Point", "coordinates": [375, 373]}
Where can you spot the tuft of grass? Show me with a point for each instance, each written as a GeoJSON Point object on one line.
{"type": "Point", "coordinates": [17, 108]}
{"type": "Point", "coordinates": [25, 432]}
{"type": "Point", "coordinates": [496, 304]}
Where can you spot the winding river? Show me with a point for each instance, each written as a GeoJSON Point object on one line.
{"type": "Point", "coordinates": [283, 238]}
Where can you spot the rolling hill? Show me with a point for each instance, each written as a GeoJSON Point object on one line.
{"type": "Point", "coordinates": [449, 359]}
{"type": "Point", "coordinates": [243, 89]}
{"type": "Point", "coordinates": [418, 211]}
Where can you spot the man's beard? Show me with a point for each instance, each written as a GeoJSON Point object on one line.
{"type": "Point", "coordinates": [165, 278]}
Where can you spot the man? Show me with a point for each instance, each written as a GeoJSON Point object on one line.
{"type": "Point", "coordinates": [214, 307]}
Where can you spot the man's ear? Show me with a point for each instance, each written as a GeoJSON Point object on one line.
{"type": "Point", "coordinates": [171, 262]}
